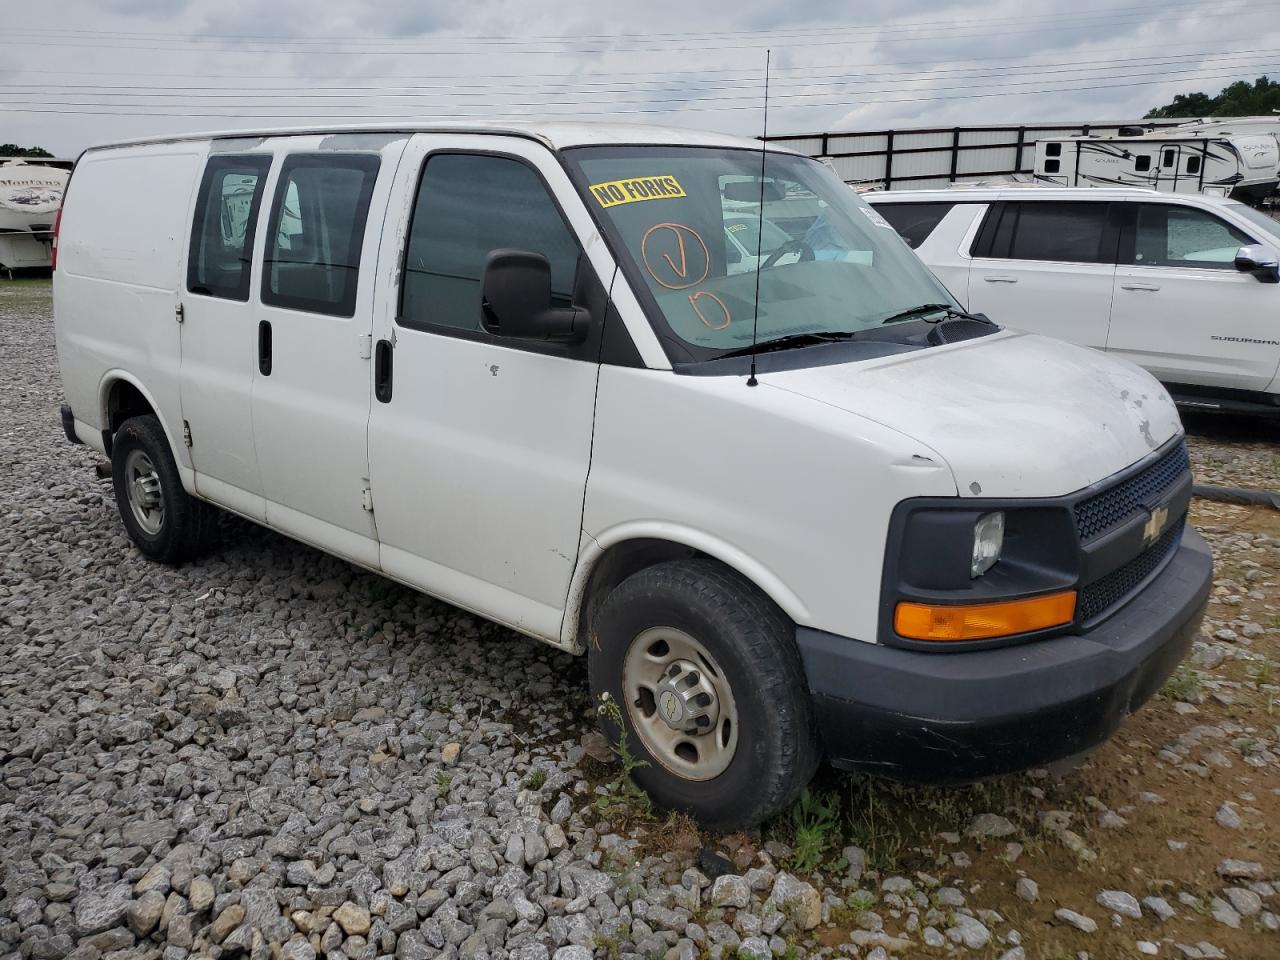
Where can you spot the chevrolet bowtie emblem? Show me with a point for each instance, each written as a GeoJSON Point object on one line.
{"type": "Point", "coordinates": [1155, 524]}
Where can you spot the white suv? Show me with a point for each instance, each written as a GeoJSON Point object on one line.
{"type": "Point", "coordinates": [1184, 285]}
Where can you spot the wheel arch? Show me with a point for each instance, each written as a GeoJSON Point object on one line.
{"type": "Point", "coordinates": [121, 396]}
{"type": "Point", "coordinates": [608, 560]}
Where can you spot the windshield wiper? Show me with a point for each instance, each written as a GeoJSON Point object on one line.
{"type": "Point", "coordinates": [792, 340]}
{"type": "Point", "coordinates": [947, 308]}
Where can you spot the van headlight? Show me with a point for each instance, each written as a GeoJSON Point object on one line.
{"type": "Point", "coordinates": [988, 541]}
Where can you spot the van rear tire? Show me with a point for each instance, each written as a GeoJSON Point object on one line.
{"type": "Point", "coordinates": [161, 518]}
{"type": "Point", "coordinates": [711, 692]}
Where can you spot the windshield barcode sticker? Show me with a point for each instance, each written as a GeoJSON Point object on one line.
{"type": "Point", "coordinates": [616, 192]}
{"type": "Point", "coordinates": [875, 218]}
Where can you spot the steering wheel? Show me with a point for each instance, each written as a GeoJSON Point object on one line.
{"type": "Point", "coordinates": [792, 246]}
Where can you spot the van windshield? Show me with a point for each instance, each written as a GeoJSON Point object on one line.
{"type": "Point", "coordinates": [688, 220]}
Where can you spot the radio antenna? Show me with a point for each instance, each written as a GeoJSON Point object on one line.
{"type": "Point", "coordinates": [764, 142]}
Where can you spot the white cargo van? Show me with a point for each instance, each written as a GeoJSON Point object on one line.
{"type": "Point", "coordinates": [512, 368]}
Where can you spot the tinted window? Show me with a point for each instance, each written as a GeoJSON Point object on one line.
{"type": "Point", "coordinates": [914, 221]}
{"type": "Point", "coordinates": [222, 234]}
{"type": "Point", "coordinates": [1063, 231]}
{"type": "Point", "coordinates": [1142, 164]}
{"type": "Point", "coordinates": [467, 207]}
{"type": "Point", "coordinates": [1193, 164]}
{"type": "Point", "coordinates": [316, 231]}
{"type": "Point", "coordinates": [1168, 158]}
{"type": "Point", "coordinates": [1170, 236]}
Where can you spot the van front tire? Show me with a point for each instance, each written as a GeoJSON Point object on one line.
{"type": "Point", "coordinates": [711, 693]}
{"type": "Point", "coordinates": [162, 520]}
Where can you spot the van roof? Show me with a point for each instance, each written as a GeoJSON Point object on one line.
{"type": "Point", "coordinates": [554, 133]}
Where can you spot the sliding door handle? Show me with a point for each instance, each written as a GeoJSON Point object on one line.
{"type": "Point", "coordinates": [382, 371]}
{"type": "Point", "coordinates": [1149, 287]}
{"type": "Point", "coordinates": [264, 347]}
{"type": "Point", "coordinates": [1000, 279]}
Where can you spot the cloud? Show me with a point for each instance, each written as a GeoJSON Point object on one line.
{"type": "Point", "coordinates": [884, 63]}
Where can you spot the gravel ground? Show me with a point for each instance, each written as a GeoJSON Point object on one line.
{"type": "Point", "coordinates": [272, 754]}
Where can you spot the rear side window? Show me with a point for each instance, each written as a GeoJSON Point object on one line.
{"type": "Point", "coordinates": [469, 205]}
{"type": "Point", "coordinates": [914, 221]}
{"type": "Point", "coordinates": [316, 231]}
{"type": "Point", "coordinates": [1061, 231]}
{"type": "Point", "coordinates": [1167, 235]}
{"type": "Point", "coordinates": [223, 229]}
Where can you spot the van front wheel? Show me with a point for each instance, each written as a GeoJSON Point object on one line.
{"type": "Point", "coordinates": [711, 692]}
{"type": "Point", "coordinates": [162, 520]}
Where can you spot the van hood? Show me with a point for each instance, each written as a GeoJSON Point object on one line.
{"type": "Point", "coordinates": [1012, 414]}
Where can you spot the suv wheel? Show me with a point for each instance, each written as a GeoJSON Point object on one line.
{"type": "Point", "coordinates": [712, 693]}
{"type": "Point", "coordinates": [162, 520]}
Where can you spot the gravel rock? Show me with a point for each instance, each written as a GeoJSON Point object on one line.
{"type": "Point", "coordinates": [796, 900]}
{"type": "Point", "coordinates": [969, 932]}
{"type": "Point", "coordinates": [1224, 913]}
{"type": "Point", "coordinates": [990, 825]}
{"type": "Point", "coordinates": [99, 911]}
{"type": "Point", "coordinates": [144, 913]}
{"type": "Point", "coordinates": [1240, 870]}
{"type": "Point", "coordinates": [1159, 907]}
{"type": "Point", "coordinates": [1244, 901]}
{"type": "Point", "coordinates": [1027, 889]}
{"type": "Point", "coordinates": [297, 948]}
{"type": "Point", "coordinates": [730, 891]}
{"type": "Point", "coordinates": [1079, 921]}
{"type": "Point", "coordinates": [1117, 901]}
{"type": "Point", "coordinates": [1227, 817]}
{"type": "Point", "coordinates": [354, 920]}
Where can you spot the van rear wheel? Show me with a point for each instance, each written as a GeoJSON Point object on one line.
{"type": "Point", "coordinates": [162, 520]}
{"type": "Point", "coordinates": [711, 692]}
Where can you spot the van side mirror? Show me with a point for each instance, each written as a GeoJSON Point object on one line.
{"type": "Point", "coordinates": [1261, 260]}
{"type": "Point", "coordinates": [515, 300]}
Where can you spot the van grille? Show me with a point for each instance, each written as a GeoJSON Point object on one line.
{"type": "Point", "coordinates": [1109, 508]}
{"type": "Point", "coordinates": [1100, 596]}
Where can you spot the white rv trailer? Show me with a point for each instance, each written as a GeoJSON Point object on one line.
{"type": "Point", "coordinates": [1239, 158]}
{"type": "Point", "coordinates": [30, 197]}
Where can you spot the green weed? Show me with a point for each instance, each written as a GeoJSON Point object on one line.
{"type": "Point", "coordinates": [813, 816]}
{"type": "Point", "coordinates": [1184, 685]}
{"type": "Point", "coordinates": [624, 796]}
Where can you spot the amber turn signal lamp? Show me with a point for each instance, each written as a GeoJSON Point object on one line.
{"type": "Point", "coordinates": [983, 621]}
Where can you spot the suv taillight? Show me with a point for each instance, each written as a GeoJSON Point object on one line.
{"type": "Point", "coordinates": [57, 226]}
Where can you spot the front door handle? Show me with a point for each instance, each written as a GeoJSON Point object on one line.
{"type": "Point", "coordinates": [1000, 279]}
{"type": "Point", "coordinates": [382, 371]}
{"type": "Point", "coordinates": [264, 347]}
{"type": "Point", "coordinates": [1149, 287]}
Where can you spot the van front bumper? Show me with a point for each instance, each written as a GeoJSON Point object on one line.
{"type": "Point", "coordinates": [960, 716]}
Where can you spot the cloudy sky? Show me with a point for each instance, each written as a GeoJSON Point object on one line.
{"type": "Point", "coordinates": [112, 69]}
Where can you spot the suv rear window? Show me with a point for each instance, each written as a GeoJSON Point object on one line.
{"type": "Point", "coordinates": [914, 221]}
{"type": "Point", "coordinates": [1054, 230]}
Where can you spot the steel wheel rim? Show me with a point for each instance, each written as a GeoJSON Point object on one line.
{"type": "Point", "coordinates": [680, 704]}
{"type": "Point", "coordinates": [142, 487]}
